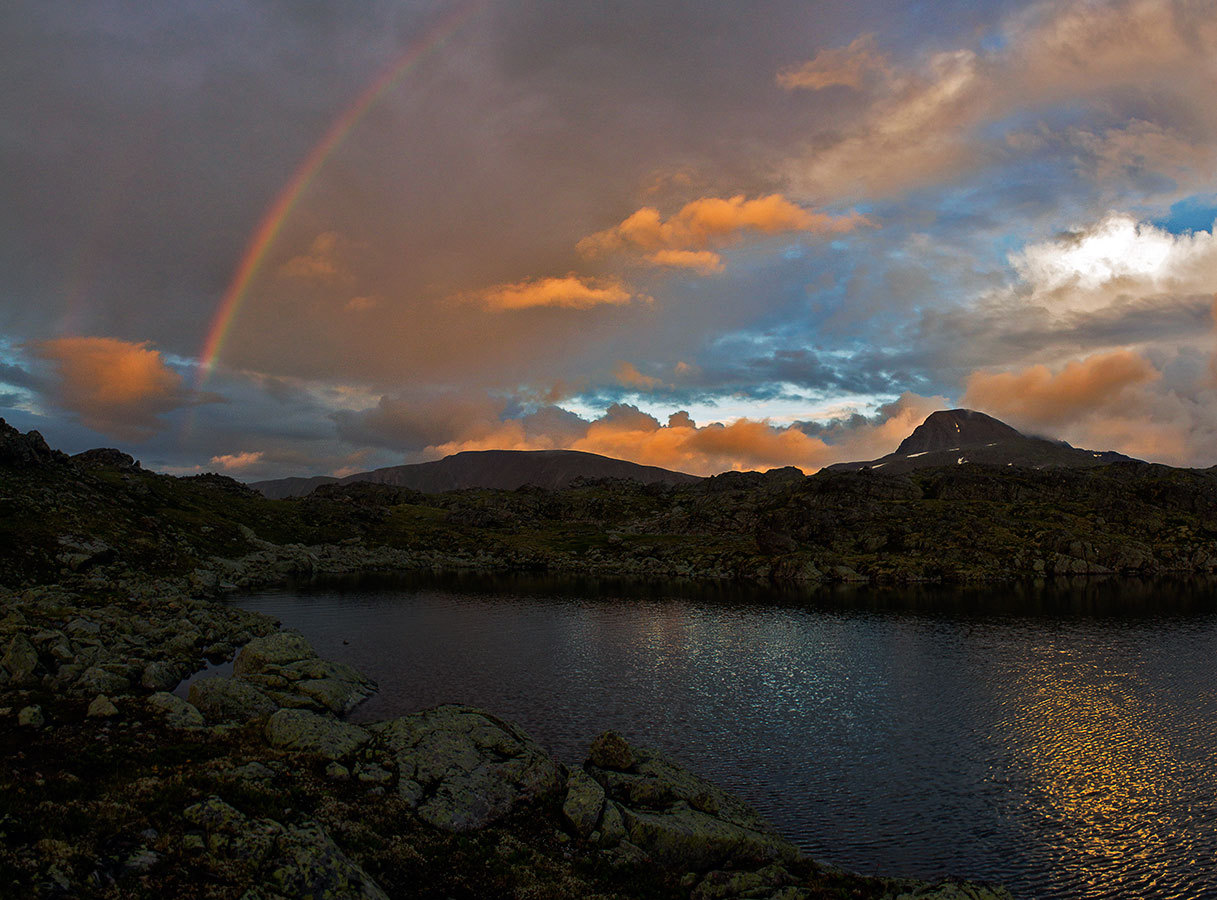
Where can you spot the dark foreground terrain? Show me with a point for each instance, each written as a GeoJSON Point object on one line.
{"type": "Point", "coordinates": [254, 786]}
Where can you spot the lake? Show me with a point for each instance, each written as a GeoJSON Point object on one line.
{"type": "Point", "coordinates": [1060, 739]}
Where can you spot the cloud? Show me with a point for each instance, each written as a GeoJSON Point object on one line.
{"type": "Point", "coordinates": [1142, 149]}
{"type": "Point", "coordinates": [319, 263]}
{"type": "Point", "coordinates": [236, 462]}
{"type": "Point", "coordinates": [628, 375]}
{"type": "Point", "coordinates": [563, 292]}
{"type": "Point", "coordinates": [707, 262]}
{"type": "Point", "coordinates": [848, 66]}
{"type": "Point", "coordinates": [119, 388]}
{"type": "Point", "coordinates": [952, 112]}
{"type": "Point", "coordinates": [442, 424]}
{"type": "Point", "coordinates": [1037, 397]}
{"type": "Point", "coordinates": [1119, 255]}
{"type": "Point", "coordinates": [681, 239]}
{"type": "Point", "coordinates": [917, 130]}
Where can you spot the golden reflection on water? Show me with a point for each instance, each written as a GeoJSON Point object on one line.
{"type": "Point", "coordinates": [1103, 779]}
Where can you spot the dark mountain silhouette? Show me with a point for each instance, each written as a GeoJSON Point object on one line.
{"type": "Point", "coordinates": [498, 469]}
{"type": "Point", "coordinates": [957, 436]}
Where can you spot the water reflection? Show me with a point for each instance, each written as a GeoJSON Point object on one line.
{"type": "Point", "coordinates": [1068, 753]}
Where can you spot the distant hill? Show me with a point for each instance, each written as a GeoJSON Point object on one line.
{"type": "Point", "coordinates": [957, 436]}
{"type": "Point", "coordinates": [495, 469]}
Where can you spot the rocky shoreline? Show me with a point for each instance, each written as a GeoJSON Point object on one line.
{"type": "Point", "coordinates": [256, 787]}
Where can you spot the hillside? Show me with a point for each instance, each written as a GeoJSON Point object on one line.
{"type": "Point", "coordinates": [958, 436]}
{"type": "Point", "coordinates": [99, 519]}
{"type": "Point", "coordinates": [495, 469]}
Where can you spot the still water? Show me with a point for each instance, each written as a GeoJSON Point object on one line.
{"type": "Point", "coordinates": [1062, 740]}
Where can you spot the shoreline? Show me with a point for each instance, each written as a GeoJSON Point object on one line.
{"type": "Point", "coordinates": [670, 836]}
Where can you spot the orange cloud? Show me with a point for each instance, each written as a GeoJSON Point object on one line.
{"type": "Point", "coordinates": [116, 387]}
{"type": "Point", "coordinates": [1037, 396]}
{"type": "Point", "coordinates": [235, 462]}
{"type": "Point", "coordinates": [848, 66]}
{"type": "Point", "coordinates": [707, 221]}
{"type": "Point", "coordinates": [705, 261]}
{"type": "Point", "coordinates": [438, 425]}
{"type": "Point", "coordinates": [564, 292]}
{"type": "Point", "coordinates": [628, 375]}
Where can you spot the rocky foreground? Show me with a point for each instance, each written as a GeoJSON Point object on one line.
{"type": "Point", "coordinates": [255, 787]}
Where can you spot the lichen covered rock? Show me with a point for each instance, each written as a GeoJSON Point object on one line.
{"type": "Point", "coordinates": [318, 735]}
{"type": "Point", "coordinates": [462, 768]}
{"type": "Point", "coordinates": [678, 818]}
{"type": "Point", "coordinates": [230, 700]}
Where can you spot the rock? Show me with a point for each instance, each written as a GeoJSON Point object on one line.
{"type": "Point", "coordinates": [31, 717]}
{"type": "Point", "coordinates": [230, 700]}
{"type": "Point", "coordinates": [682, 820]}
{"type": "Point", "coordinates": [687, 838]}
{"type": "Point", "coordinates": [721, 885]}
{"type": "Point", "coordinates": [371, 773]}
{"type": "Point", "coordinates": [583, 804]}
{"type": "Point", "coordinates": [25, 450]}
{"type": "Point", "coordinates": [101, 708]}
{"type": "Point", "coordinates": [612, 825]}
{"type": "Point", "coordinates": [213, 814]}
{"type": "Point", "coordinates": [273, 650]}
{"type": "Point", "coordinates": [81, 553]}
{"type": "Point", "coordinates": [79, 627]}
{"type": "Point", "coordinates": [950, 890]}
{"type": "Point", "coordinates": [471, 768]}
{"type": "Point", "coordinates": [20, 659]}
{"type": "Point", "coordinates": [336, 771]}
{"type": "Point", "coordinates": [96, 680]}
{"type": "Point", "coordinates": [178, 713]}
{"type": "Point", "coordinates": [253, 771]}
{"type": "Point", "coordinates": [611, 751]}
{"type": "Point", "coordinates": [141, 860]}
{"type": "Point", "coordinates": [161, 676]}
{"type": "Point", "coordinates": [291, 861]}
{"type": "Point", "coordinates": [310, 864]}
{"type": "Point", "coordinates": [308, 732]}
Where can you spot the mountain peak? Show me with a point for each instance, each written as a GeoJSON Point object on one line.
{"type": "Point", "coordinates": [951, 429]}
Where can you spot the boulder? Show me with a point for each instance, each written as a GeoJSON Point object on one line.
{"type": "Point", "coordinates": [318, 735]}
{"type": "Point", "coordinates": [31, 717]}
{"type": "Point", "coordinates": [307, 863]}
{"type": "Point", "coordinates": [273, 650]}
{"type": "Point", "coordinates": [611, 751]}
{"type": "Point", "coordinates": [463, 768]}
{"type": "Point", "coordinates": [177, 712]}
{"type": "Point", "coordinates": [583, 804]}
{"type": "Point", "coordinates": [101, 708]}
{"type": "Point", "coordinates": [161, 675]}
{"type": "Point", "coordinates": [687, 838]}
{"type": "Point", "coordinates": [98, 680]}
{"type": "Point", "coordinates": [230, 700]}
{"type": "Point", "coordinates": [680, 819]}
{"type": "Point", "coordinates": [20, 659]}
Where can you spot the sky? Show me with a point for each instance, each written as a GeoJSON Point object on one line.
{"type": "Point", "coordinates": [272, 239]}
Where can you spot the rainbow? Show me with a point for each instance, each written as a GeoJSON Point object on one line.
{"type": "Point", "coordinates": [272, 220]}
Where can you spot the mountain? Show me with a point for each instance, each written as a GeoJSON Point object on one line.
{"type": "Point", "coordinates": [279, 488]}
{"type": "Point", "coordinates": [956, 436]}
{"type": "Point", "coordinates": [495, 469]}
